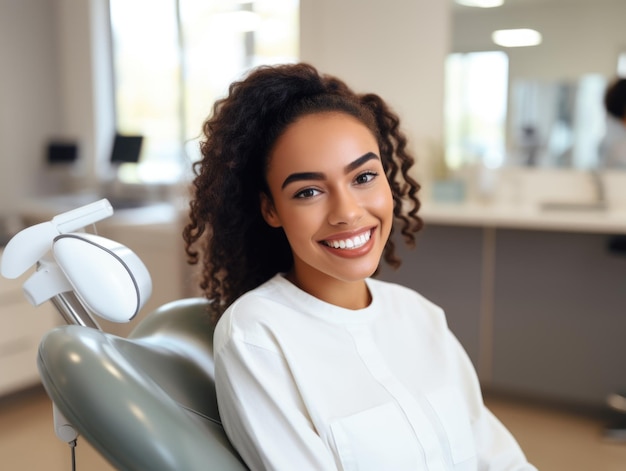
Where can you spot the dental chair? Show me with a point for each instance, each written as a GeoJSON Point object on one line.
{"type": "Point", "coordinates": [145, 402]}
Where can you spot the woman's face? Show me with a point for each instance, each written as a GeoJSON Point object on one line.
{"type": "Point", "coordinates": [331, 197]}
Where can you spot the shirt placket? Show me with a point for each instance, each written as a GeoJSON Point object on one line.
{"type": "Point", "coordinates": [425, 432]}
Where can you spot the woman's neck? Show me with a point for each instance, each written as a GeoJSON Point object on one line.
{"type": "Point", "coordinates": [346, 294]}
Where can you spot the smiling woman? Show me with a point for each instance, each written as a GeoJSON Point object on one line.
{"type": "Point", "coordinates": [318, 365]}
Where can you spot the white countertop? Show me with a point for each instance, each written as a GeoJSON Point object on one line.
{"type": "Point", "coordinates": [607, 221]}
{"type": "Point", "coordinates": [150, 213]}
{"type": "Point", "coordinates": [516, 200]}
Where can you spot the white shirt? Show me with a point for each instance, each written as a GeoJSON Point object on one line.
{"type": "Point", "coordinates": [306, 385]}
{"type": "Point", "coordinates": [613, 145]}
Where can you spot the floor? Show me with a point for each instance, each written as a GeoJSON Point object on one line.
{"type": "Point", "coordinates": [554, 440]}
{"type": "Point", "coordinates": [559, 440]}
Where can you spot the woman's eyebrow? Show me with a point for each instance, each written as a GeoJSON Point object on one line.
{"type": "Point", "coordinates": [294, 177]}
{"type": "Point", "coordinates": [360, 161]}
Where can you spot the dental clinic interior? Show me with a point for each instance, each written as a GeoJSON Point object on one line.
{"type": "Point", "coordinates": [524, 242]}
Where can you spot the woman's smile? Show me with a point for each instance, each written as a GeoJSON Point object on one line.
{"type": "Point", "coordinates": [350, 245]}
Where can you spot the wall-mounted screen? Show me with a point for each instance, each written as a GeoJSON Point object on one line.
{"type": "Point", "coordinates": [126, 149]}
{"type": "Point", "coordinates": [58, 153]}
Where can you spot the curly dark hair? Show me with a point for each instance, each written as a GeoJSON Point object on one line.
{"type": "Point", "coordinates": [615, 98]}
{"type": "Point", "coordinates": [239, 250]}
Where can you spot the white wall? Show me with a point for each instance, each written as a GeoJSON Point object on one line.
{"type": "Point", "coordinates": [393, 48]}
{"type": "Point", "coordinates": [86, 82]}
{"type": "Point", "coordinates": [29, 99]}
{"type": "Point", "coordinates": [53, 59]}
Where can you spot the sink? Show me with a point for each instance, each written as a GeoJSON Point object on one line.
{"type": "Point", "coordinates": [574, 206]}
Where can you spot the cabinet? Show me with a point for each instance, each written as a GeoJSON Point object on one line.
{"type": "Point", "coordinates": [559, 315]}
{"type": "Point", "coordinates": [21, 328]}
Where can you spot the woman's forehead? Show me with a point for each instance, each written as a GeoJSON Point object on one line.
{"type": "Point", "coordinates": [322, 139]}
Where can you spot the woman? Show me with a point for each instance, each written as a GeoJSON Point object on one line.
{"type": "Point", "coordinates": [319, 366]}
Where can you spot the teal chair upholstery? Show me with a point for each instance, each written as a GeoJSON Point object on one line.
{"type": "Point", "coordinates": [146, 402]}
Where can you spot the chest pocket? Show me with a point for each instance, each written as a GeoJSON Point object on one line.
{"type": "Point", "coordinates": [376, 439]}
{"type": "Point", "coordinates": [454, 422]}
{"type": "Point", "coordinates": [381, 438]}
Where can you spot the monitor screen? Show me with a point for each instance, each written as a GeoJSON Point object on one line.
{"type": "Point", "coordinates": [126, 149]}
{"type": "Point", "coordinates": [59, 152]}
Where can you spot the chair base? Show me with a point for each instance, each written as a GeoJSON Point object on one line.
{"type": "Point", "coordinates": [615, 431]}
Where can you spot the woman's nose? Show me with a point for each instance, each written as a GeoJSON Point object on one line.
{"type": "Point", "coordinates": [345, 208]}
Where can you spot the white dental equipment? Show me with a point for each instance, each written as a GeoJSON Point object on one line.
{"type": "Point", "coordinates": [65, 275]}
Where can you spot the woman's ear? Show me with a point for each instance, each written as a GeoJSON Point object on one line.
{"type": "Point", "coordinates": [268, 211]}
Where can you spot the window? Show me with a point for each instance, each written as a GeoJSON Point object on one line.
{"type": "Point", "coordinates": [475, 108]}
{"type": "Point", "coordinates": [174, 58]}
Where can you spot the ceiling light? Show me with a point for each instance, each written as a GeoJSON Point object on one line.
{"type": "Point", "coordinates": [516, 37]}
{"type": "Point", "coordinates": [481, 3]}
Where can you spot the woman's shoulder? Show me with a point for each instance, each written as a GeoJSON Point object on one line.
{"type": "Point", "coordinates": [253, 305]}
{"type": "Point", "coordinates": [404, 301]}
{"type": "Point", "coordinates": [250, 315]}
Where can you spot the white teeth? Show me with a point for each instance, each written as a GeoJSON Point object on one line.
{"type": "Point", "coordinates": [353, 243]}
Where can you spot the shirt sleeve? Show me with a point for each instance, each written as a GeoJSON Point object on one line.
{"type": "Point", "coordinates": [262, 412]}
{"type": "Point", "coordinates": [496, 448]}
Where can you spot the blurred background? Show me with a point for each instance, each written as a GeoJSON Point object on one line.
{"type": "Point", "coordinates": [503, 103]}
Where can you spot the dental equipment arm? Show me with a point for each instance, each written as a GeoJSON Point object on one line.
{"type": "Point", "coordinates": [29, 245]}
{"type": "Point", "coordinates": [116, 291]}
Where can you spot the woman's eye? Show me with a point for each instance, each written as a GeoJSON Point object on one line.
{"type": "Point", "coordinates": [307, 193]}
{"type": "Point", "coordinates": [365, 177]}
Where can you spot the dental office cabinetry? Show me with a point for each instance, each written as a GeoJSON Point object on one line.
{"type": "Point", "coordinates": [559, 315]}
{"type": "Point", "coordinates": [21, 328]}
{"type": "Point", "coordinates": [537, 300]}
